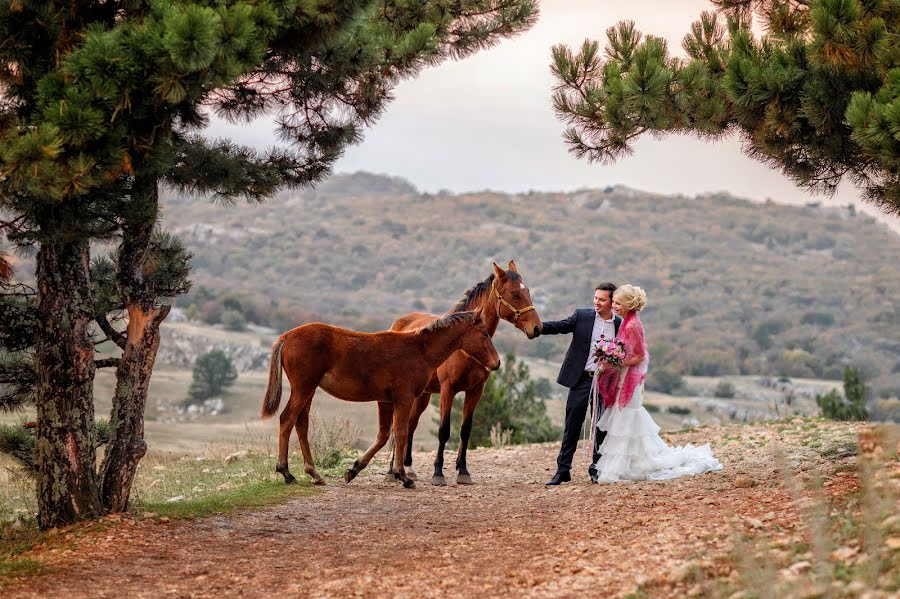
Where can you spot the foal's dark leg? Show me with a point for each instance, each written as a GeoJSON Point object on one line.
{"type": "Point", "coordinates": [473, 396]}
{"type": "Point", "coordinates": [414, 415]}
{"type": "Point", "coordinates": [443, 435]}
{"type": "Point", "coordinates": [300, 400]}
{"type": "Point", "coordinates": [385, 413]}
{"type": "Point", "coordinates": [401, 422]}
{"type": "Point", "coordinates": [420, 406]}
{"type": "Point", "coordinates": [309, 465]}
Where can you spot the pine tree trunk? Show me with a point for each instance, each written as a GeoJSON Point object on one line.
{"type": "Point", "coordinates": [127, 445]}
{"type": "Point", "coordinates": [65, 443]}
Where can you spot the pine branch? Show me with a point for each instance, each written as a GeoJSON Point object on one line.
{"type": "Point", "coordinates": [18, 443]}
{"type": "Point", "coordinates": [112, 334]}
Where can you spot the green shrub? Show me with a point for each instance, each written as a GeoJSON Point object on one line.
{"type": "Point", "coordinates": [724, 389]}
{"type": "Point", "coordinates": [850, 406]}
{"type": "Point", "coordinates": [234, 320]}
{"type": "Point", "coordinates": [213, 373]}
{"type": "Point", "coordinates": [664, 381]}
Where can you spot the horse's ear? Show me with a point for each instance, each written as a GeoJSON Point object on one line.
{"type": "Point", "coordinates": [512, 266]}
{"type": "Point", "coordinates": [501, 274]}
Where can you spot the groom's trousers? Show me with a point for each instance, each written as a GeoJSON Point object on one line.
{"type": "Point", "coordinates": [577, 407]}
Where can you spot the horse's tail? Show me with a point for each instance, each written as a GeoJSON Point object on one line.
{"type": "Point", "coordinates": [273, 391]}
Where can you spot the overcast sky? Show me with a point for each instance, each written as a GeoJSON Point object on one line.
{"type": "Point", "coordinates": [487, 122]}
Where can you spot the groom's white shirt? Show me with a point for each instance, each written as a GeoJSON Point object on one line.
{"type": "Point", "coordinates": [607, 328]}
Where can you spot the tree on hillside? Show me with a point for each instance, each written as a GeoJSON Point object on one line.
{"type": "Point", "coordinates": [102, 102]}
{"type": "Point", "coordinates": [213, 373]}
{"type": "Point", "coordinates": [511, 402]}
{"type": "Point", "coordinates": [814, 97]}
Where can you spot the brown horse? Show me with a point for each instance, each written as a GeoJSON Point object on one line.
{"type": "Point", "coordinates": [390, 368]}
{"type": "Point", "coordinates": [502, 295]}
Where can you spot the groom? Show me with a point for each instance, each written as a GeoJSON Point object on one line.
{"type": "Point", "coordinates": [577, 372]}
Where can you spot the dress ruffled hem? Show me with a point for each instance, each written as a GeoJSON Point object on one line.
{"type": "Point", "coordinates": [633, 449]}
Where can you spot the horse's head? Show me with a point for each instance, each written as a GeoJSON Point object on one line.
{"type": "Point", "coordinates": [512, 300]}
{"type": "Point", "coordinates": [477, 343]}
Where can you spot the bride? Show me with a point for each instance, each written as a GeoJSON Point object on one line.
{"type": "Point", "coordinates": [633, 449]}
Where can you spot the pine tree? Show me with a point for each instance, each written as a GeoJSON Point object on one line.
{"type": "Point", "coordinates": [814, 97]}
{"type": "Point", "coordinates": [213, 373]}
{"type": "Point", "coordinates": [101, 102]}
{"type": "Point", "coordinates": [850, 406]}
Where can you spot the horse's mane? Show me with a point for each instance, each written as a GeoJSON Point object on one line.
{"type": "Point", "coordinates": [474, 293]}
{"type": "Point", "coordinates": [451, 320]}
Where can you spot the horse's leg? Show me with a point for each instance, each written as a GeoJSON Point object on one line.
{"type": "Point", "coordinates": [473, 396]}
{"type": "Point", "coordinates": [414, 415]}
{"type": "Point", "coordinates": [299, 400]}
{"type": "Point", "coordinates": [309, 465]}
{"type": "Point", "coordinates": [385, 413]}
{"type": "Point", "coordinates": [401, 422]}
{"type": "Point", "coordinates": [418, 407]}
{"type": "Point", "coordinates": [443, 434]}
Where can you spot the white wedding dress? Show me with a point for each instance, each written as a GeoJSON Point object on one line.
{"type": "Point", "coordinates": [633, 449]}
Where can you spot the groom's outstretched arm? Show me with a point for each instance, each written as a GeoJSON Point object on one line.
{"type": "Point", "coordinates": [559, 327]}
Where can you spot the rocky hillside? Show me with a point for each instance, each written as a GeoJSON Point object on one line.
{"type": "Point", "coordinates": [735, 287]}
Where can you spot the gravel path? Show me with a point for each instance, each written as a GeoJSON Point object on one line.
{"type": "Point", "coordinates": [507, 535]}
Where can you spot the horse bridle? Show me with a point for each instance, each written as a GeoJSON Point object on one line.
{"type": "Point", "coordinates": [517, 311]}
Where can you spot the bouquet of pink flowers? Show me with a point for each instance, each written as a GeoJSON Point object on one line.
{"type": "Point", "coordinates": [609, 351]}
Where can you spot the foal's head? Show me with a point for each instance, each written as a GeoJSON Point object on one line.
{"type": "Point", "coordinates": [474, 340]}
{"type": "Point", "coordinates": [512, 300]}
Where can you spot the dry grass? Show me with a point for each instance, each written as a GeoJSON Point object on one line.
{"type": "Point", "coordinates": [846, 541]}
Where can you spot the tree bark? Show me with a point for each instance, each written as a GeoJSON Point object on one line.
{"type": "Point", "coordinates": [66, 434]}
{"type": "Point", "coordinates": [127, 445]}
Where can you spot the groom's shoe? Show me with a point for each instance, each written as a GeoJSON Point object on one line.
{"type": "Point", "coordinates": [558, 478]}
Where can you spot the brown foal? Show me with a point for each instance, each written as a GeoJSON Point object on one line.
{"type": "Point", "coordinates": [503, 295]}
{"type": "Point", "coordinates": [391, 368]}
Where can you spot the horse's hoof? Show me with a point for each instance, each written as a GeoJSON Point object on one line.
{"type": "Point", "coordinates": [438, 481]}
{"type": "Point", "coordinates": [349, 475]}
{"type": "Point", "coordinates": [411, 474]}
{"type": "Point", "coordinates": [289, 479]}
{"type": "Point", "coordinates": [319, 481]}
{"type": "Point", "coordinates": [409, 484]}
{"type": "Point", "coordinates": [390, 477]}
{"type": "Point", "coordinates": [464, 479]}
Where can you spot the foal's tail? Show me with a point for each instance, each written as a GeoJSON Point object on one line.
{"type": "Point", "coordinates": [273, 391]}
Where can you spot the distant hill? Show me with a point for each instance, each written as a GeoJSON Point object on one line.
{"type": "Point", "coordinates": [734, 286]}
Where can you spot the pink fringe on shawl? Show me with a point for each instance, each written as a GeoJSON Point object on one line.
{"type": "Point", "coordinates": [631, 331]}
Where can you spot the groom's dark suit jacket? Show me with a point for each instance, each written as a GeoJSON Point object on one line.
{"type": "Point", "coordinates": [581, 325]}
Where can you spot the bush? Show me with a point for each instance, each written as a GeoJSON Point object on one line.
{"type": "Point", "coordinates": [213, 373]}
{"type": "Point", "coordinates": [850, 406]}
{"type": "Point", "coordinates": [331, 440]}
{"type": "Point", "coordinates": [664, 381]}
{"type": "Point", "coordinates": [679, 410]}
{"type": "Point", "coordinates": [724, 389]}
{"type": "Point", "coordinates": [234, 320]}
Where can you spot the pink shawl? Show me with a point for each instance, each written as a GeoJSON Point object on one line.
{"type": "Point", "coordinates": [631, 331]}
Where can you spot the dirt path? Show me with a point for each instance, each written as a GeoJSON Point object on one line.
{"type": "Point", "coordinates": [508, 535]}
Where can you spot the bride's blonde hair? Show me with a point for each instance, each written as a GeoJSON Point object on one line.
{"type": "Point", "coordinates": [632, 297]}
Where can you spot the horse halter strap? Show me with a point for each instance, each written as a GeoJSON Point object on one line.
{"type": "Point", "coordinates": [517, 311]}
